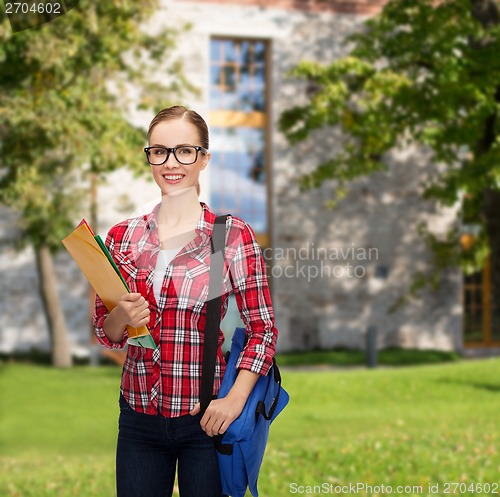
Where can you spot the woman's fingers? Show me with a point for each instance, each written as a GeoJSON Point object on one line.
{"type": "Point", "coordinates": [144, 313]}
{"type": "Point", "coordinates": [217, 417]}
{"type": "Point", "coordinates": [141, 316]}
{"type": "Point", "coordinates": [140, 303]}
{"type": "Point", "coordinates": [136, 309]}
{"type": "Point", "coordinates": [131, 297]}
{"type": "Point", "coordinates": [223, 427]}
{"type": "Point", "coordinates": [212, 427]}
{"type": "Point", "coordinates": [142, 322]}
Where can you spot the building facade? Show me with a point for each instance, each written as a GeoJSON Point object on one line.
{"type": "Point", "coordinates": [333, 273]}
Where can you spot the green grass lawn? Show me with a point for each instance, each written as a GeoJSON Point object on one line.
{"type": "Point", "coordinates": [418, 425]}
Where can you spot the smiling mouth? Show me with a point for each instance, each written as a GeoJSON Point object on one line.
{"type": "Point", "coordinates": [173, 177]}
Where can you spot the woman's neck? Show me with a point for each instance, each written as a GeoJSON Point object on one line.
{"type": "Point", "coordinates": [180, 208]}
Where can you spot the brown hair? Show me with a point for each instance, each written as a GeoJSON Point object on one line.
{"type": "Point", "coordinates": [180, 112]}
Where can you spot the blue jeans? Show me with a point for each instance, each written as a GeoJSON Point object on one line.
{"type": "Point", "coordinates": [149, 448]}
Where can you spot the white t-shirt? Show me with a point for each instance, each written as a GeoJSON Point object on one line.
{"type": "Point", "coordinates": [165, 256]}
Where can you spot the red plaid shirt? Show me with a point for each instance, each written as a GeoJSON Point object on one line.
{"type": "Point", "coordinates": [167, 380]}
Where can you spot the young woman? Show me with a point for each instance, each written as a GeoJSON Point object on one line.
{"type": "Point", "coordinates": [164, 257]}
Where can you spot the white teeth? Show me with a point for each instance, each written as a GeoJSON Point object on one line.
{"type": "Point", "coordinates": [173, 177]}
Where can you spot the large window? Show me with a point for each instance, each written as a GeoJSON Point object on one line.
{"type": "Point", "coordinates": [239, 139]}
{"type": "Point", "coordinates": [238, 119]}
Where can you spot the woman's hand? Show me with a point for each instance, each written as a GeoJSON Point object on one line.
{"type": "Point", "coordinates": [132, 309]}
{"type": "Point", "coordinates": [220, 414]}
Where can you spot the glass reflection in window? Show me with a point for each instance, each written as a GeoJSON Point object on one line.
{"type": "Point", "coordinates": [237, 75]}
{"type": "Point", "coordinates": [238, 160]}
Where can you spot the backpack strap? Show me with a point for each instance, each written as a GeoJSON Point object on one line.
{"type": "Point", "coordinates": [213, 316]}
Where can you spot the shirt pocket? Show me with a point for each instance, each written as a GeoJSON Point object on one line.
{"type": "Point", "coordinates": [128, 269]}
{"type": "Point", "coordinates": [194, 290]}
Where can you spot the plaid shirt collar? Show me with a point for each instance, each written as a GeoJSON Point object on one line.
{"type": "Point", "coordinates": [203, 229]}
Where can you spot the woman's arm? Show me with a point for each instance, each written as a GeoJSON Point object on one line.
{"type": "Point", "coordinates": [222, 412]}
{"type": "Point", "coordinates": [248, 276]}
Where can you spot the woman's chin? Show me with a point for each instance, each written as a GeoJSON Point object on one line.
{"type": "Point", "coordinates": [177, 190]}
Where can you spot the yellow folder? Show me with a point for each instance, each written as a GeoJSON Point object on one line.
{"type": "Point", "coordinates": [96, 263]}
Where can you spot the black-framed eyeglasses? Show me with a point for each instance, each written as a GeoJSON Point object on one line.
{"type": "Point", "coordinates": [185, 155]}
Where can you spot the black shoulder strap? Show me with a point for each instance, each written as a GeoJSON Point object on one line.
{"type": "Point", "coordinates": [214, 304]}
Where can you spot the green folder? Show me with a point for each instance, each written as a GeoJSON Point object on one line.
{"type": "Point", "coordinates": [147, 340]}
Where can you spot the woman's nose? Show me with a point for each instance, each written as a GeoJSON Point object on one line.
{"type": "Point", "coordinates": [171, 161]}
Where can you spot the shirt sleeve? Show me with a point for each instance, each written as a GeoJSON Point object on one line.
{"type": "Point", "coordinates": [101, 313]}
{"type": "Point", "coordinates": [247, 271]}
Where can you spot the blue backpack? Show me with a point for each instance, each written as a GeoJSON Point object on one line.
{"type": "Point", "coordinates": [241, 448]}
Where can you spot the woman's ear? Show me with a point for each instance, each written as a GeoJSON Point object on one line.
{"type": "Point", "coordinates": [205, 160]}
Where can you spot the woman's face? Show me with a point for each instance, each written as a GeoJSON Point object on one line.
{"type": "Point", "coordinates": [170, 134]}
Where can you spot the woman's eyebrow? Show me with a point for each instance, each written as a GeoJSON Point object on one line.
{"type": "Point", "coordinates": [164, 146]}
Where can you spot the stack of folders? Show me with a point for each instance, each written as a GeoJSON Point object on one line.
{"type": "Point", "coordinates": [95, 262]}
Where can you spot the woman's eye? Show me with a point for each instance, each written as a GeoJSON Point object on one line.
{"type": "Point", "coordinates": [185, 151]}
{"type": "Point", "coordinates": [159, 151]}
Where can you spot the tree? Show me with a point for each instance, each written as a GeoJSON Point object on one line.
{"type": "Point", "coordinates": [66, 90]}
{"type": "Point", "coordinates": [425, 72]}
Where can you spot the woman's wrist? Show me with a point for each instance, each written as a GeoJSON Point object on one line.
{"type": "Point", "coordinates": [243, 386]}
{"type": "Point", "coordinates": [114, 326]}
{"type": "Point", "coordinates": [238, 396]}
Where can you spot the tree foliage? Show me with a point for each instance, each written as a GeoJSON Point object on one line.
{"type": "Point", "coordinates": [422, 72]}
